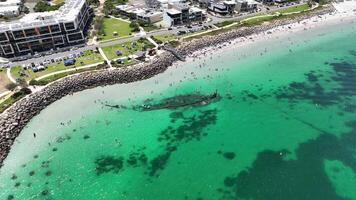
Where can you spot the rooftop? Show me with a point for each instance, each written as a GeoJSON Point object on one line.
{"type": "Point", "coordinates": [173, 11]}
{"type": "Point", "coordinates": [66, 13]}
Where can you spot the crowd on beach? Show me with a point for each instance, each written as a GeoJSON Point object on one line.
{"type": "Point", "coordinates": [15, 118]}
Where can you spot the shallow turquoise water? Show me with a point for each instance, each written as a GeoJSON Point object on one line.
{"type": "Point", "coordinates": [282, 127]}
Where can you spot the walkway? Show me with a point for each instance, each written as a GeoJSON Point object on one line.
{"type": "Point", "coordinates": [8, 73]}
{"type": "Point", "coordinates": [125, 20]}
{"type": "Point", "coordinates": [104, 56]}
{"type": "Point", "coordinates": [152, 41]}
{"type": "Point", "coordinates": [67, 70]}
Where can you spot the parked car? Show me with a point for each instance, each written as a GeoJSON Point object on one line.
{"type": "Point", "coordinates": [69, 62]}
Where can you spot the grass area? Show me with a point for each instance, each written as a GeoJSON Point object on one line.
{"type": "Point", "coordinates": [111, 25]}
{"type": "Point", "coordinates": [149, 27]}
{"type": "Point", "coordinates": [3, 80]}
{"type": "Point", "coordinates": [258, 19]}
{"type": "Point", "coordinates": [224, 23]}
{"type": "Point", "coordinates": [127, 48]}
{"type": "Point", "coordinates": [126, 62]}
{"type": "Point", "coordinates": [89, 57]}
{"type": "Point", "coordinates": [13, 98]}
{"type": "Point", "coordinates": [166, 38]}
{"type": "Point", "coordinates": [297, 8]}
{"type": "Point", "coordinates": [55, 77]}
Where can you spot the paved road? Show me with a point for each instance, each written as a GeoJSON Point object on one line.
{"type": "Point", "coordinates": [175, 30]}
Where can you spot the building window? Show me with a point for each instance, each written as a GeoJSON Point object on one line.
{"type": "Point", "coordinates": [69, 26]}
{"type": "Point", "coordinates": [75, 37]}
{"type": "Point", "coordinates": [58, 40]}
{"type": "Point", "coordinates": [55, 28]}
{"type": "Point", "coordinates": [18, 34]}
{"type": "Point", "coordinates": [3, 37]}
{"type": "Point", "coordinates": [44, 30]}
{"type": "Point", "coordinates": [23, 46]}
{"type": "Point", "coordinates": [7, 49]}
{"type": "Point", "coordinates": [30, 32]}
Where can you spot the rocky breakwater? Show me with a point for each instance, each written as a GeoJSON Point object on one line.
{"type": "Point", "coordinates": [14, 119]}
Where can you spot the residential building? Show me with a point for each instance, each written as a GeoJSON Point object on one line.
{"type": "Point", "coordinates": [181, 13]}
{"type": "Point", "coordinates": [38, 32]}
{"type": "Point", "coordinates": [143, 14]}
{"type": "Point", "coordinates": [246, 5]}
{"type": "Point", "coordinates": [150, 16]}
{"type": "Point", "coordinates": [222, 8]}
{"type": "Point", "coordinates": [266, 2]}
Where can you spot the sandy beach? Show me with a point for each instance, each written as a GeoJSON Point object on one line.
{"type": "Point", "coordinates": [344, 12]}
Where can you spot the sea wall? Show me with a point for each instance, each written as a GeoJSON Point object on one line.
{"type": "Point", "coordinates": [14, 119]}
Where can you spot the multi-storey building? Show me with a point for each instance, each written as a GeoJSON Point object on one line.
{"type": "Point", "coordinates": [38, 32]}
{"type": "Point", "coordinates": [182, 13]}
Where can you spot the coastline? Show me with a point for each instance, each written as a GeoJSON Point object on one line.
{"type": "Point", "coordinates": [14, 119]}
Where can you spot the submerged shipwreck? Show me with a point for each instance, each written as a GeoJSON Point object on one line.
{"type": "Point", "coordinates": [195, 99]}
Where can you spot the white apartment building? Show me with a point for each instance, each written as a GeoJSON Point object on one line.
{"type": "Point", "coordinates": [38, 32]}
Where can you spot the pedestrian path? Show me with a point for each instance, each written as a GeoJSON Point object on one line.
{"type": "Point", "coordinates": [152, 41]}
{"type": "Point", "coordinates": [104, 56]}
{"type": "Point", "coordinates": [67, 70]}
{"type": "Point", "coordinates": [8, 73]}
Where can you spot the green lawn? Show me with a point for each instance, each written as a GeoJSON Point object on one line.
{"type": "Point", "coordinates": [298, 8]}
{"type": "Point", "coordinates": [127, 48]}
{"type": "Point", "coordinates": [89, 57]}
{"type": "Point", "coordinates": [258, 20]}
{"type": "Point", "coordinates": [111, 25]}
{"type": "Point", "coordinates": [126, 62]}
{"type": "Point", "coordinates": [150, 27]}
{"type": "Point", "coordinates": [13, 98]}
{"type": "Point", "coordinates": [55, 77]}
{"type": "Point", "coordinates": [225, 23]}
{"type": "Point", "coordinates": [166, 38]}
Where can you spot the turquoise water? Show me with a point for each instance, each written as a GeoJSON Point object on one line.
{"type": "Point", "coordinates": [282, 126]}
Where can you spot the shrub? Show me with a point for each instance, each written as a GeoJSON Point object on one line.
{"type": "Point", "coordinates": [10, 86]}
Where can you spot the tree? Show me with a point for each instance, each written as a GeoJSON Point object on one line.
{"type": "Point", "coordinates": [134, 26]}
{"type": "Point", "coordinates": [43, 6]}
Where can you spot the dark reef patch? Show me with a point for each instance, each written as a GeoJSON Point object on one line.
{"type": "Point", "coordinates": [189, 128]}
{"type": "Point", "coordinates": [48, 173]}
{"type": "Point", "coordinates": [105, 164]}
{"type": "Point", "coordinates": [13, 177]}
{"type": "Point", "coordinates": [271, 176]}
{"type": "Point", "coordinates": [229, 155]}
{"type": "Point", "coordinates": [353, 52]}
{"type": "Point", "coordinates": [183, 128]}
{"type": "Point", "coordinates": [45, 192]}
{"type": "Point", "coordinates": [137, 158]}
{"type": "Point", "coordinates": [10, 197]}
{"type": "Point", "coordinates": [343, 74]}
